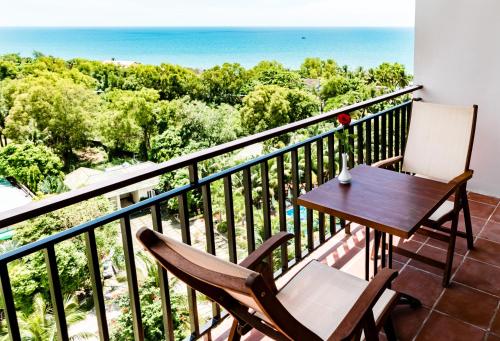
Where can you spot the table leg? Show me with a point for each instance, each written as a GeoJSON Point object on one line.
{"type": "Point", "coordinates": [367, 253]}
{"type": "Point", "coordinates": [390, 251]}
{"type": "Point", "coordinates": [404, 299]}
{"type": "Point", "coordinates": [384, 247]}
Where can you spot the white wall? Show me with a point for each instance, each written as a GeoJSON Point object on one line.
{"type": "Point", "coordinates": [457, 59]}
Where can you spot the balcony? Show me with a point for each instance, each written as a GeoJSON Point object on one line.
{"type": "Point", "coordinates": [467, 309]}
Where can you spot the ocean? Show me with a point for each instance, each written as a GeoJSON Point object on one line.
{"type": "Point", "coordinates": [206, 47]}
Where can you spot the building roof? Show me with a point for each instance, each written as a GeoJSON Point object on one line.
{"type": "Point", "coordinates": [11, 196]}
{"type": "Point", "coordinates": [83, 177]}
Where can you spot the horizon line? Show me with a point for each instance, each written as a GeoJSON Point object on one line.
{"type": "Point", "coordinates": [208, 26]}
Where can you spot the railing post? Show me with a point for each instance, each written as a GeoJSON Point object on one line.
{"type": "Point", "coordinates": [351, 143]}
{"type": "Point", "coordinates": [166, 306]}
{"type": "Point", "coordinates": [56, 293]}
{"type": "Point", "coordinates": [376, 139]}
{"type": "Point", "coordinates": [193, 173]}
{"type": "Point", "coordinates": [309, 212]}
{"type": "Point", "coordinates": [368, 144]}
{"type": "Point", "coordinates": [282, 208]}
{"type": "Point", "coordinates": [10, 308]}
{"type": "Point", "coordinates": [266, 200]}
{"type": "Point", "coordinates": [97, 290]}
{"type": "Point", "coordinates": [231, 229]}
{"type": "Point", "coordinates": [319, 177]}
{"type": "Point", "coordinates": [360, 147]}
{"type": "Point", "coordinates": [296, 208]}
{"type": "Point", "coordinates": [186, 238]}
{"type": "Point", "coordinates": [397, 130]}
{"type": "Point", "coordinates": [249, 221]}
{"type": "Point", "coordinates": [209, 233]}
{"type": "Point", "coordinates": [331, 171]}
{"type": "Point", "coordinates": [133, 287]}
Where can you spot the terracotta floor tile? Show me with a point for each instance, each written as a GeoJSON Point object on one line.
{"type": "Point", "coordinates": [486, 251]}
{"type": "Point", "coordinates": [436, 254]}
{"type": "Point", "coordinates": [407, 321]}
{"type": "Point", "coordinates": [477, 224]}
{"type": "Point", "coordinates": [478, 275]}
{"type": "Point", "coordinates": [255, 335]}
{"type": "Point", "coordinates": [491, 231]}
{"type": "Point", "coordinates": [422, 285]}
{"type": "Point", "coordinates": [468, 305]}
{"type": "Point", "coordinates": [495, 327]}
{"type": "Point", "coordinates": [417, 237]}
{"type": "Point", "coordinates": [460, 245]}
{"type": "Point", "coordinates": [409, 245]}
{"type": "Point", "coordinates": [480, 210]}
{"type": "Point", "coordinates": [441, 327]}
{"type": "Point", "coordinates": [496, 215]}
{"type": "Point", "coordinates": [485, 199]}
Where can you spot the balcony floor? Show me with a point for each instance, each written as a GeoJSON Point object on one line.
{"type": "Point", "coordinates": [467, 310]}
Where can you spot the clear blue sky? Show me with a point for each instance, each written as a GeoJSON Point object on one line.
{"type": "Point", "coordinates": [207, 13]}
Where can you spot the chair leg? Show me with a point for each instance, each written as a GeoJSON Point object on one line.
{"type": "Point", "coordinates": [370, 329]}
{"type": "Point", "coordinates": [451, 251]}
{"type": "Point", "coordinates": [389, 330]}
{"type": "Point", "coordinates": [468, 223]}
{"type": "Point", "coordinates": [233, 333]}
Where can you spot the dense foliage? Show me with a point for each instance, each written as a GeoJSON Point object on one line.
{"type": "Point", "coordinates": [157, 112]}
{"type": "Point", "coordinates": [152, 315]}
{"type": "Point", "coordinates": [29, 274]}
{"type": "Point", "coordinates": [30, 164]}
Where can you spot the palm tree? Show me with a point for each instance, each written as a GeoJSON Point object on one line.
{"type": "Point", "coordinates": [40, 324]}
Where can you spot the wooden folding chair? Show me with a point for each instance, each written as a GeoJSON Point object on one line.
{"type": "Point", "coordinates": [439, 147]}
{"type": "Point", "coordinates": [318, 303]}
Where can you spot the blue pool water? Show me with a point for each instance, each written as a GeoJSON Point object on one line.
{"type": "Point", "coordinates": [205, 47]}
{"type": "Point", "coordinates": [302, 210]}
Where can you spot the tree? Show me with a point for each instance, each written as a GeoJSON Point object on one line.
{"type": "Point", "coordinates": [40, 324]}
{"type": "Point", "coordinates": [270, 106]}
{"type": "Point", "coordinates": [152, 314]}
{"type": "Point", "coordinates": [29, 274]}
{"type": "Point", "coordinates": [30, 164]}
{"type": "Point", "coordinates": [316, 68]}
{"type": "Point", "coordinates": [52, 110]}
{"type": "Point", "coordinates": [274, 73]}
{"type": "Point", "coordinates": [390, 75]}
{"type": "Point", "coordinates": [340, 85]}
{"type": "Point", "coordinates": [223, 84]}
{"type": "Point", "coordinates": [130, 119]}
{"type": "Point", "coordinates": [186, 126]}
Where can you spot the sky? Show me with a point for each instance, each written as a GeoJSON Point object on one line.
{"type": "Point", "coordinates": [207, 13]}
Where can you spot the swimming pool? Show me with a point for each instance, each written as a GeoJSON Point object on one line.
{"type": "Point", "coordinates": [302, 210]}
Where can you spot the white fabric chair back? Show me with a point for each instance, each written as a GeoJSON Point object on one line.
{"type": "Point", "coordinates": [216, 265]}
{"type": "Point", "coordinates": [439, 140]}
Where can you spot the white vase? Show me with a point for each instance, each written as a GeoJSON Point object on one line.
{"type": "Point", "coordinates": [344, 176]}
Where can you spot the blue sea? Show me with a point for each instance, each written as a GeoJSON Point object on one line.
{"type": "Point", "coordinates": [206, 47]}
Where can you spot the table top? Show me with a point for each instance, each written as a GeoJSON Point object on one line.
{"type": "Point", "coordinates": [385, 200]}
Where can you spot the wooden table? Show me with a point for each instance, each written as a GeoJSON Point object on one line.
{"type": "Point", "coordinates": [389, 202]}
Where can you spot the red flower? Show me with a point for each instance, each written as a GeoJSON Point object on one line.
{"type": "Point", "coordinates": [344, 119]}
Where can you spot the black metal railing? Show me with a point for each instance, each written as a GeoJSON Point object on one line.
{"type": "Point", "coordinates": [298, 167]}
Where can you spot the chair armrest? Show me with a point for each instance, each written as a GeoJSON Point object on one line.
{"type": "Point", "coordinates": [364, 305]}
{"type": "Point", "coordinates": [263, 251]}
{"type": "Point", "coordinates": [388, 162]}
{"type": "Point", "coordinates": [462, 178]}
